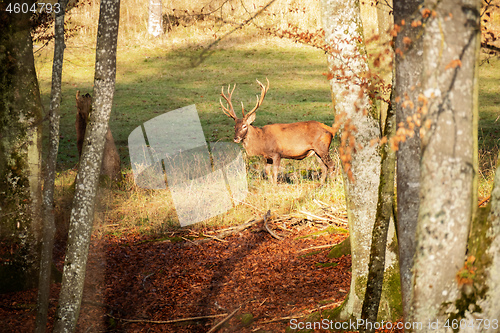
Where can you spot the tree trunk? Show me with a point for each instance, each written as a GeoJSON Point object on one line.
{"type": "Point", "coordinates": [20, 153]}
{"type": "Point", "coordinates": [408, 68]}
{"type": "Point", "coordinates": [480, 277]}
{"type": "Point", "coordinates": [348, 68]}
{"type": "Point", "coordinates": [82, 213]}
{"type": "Point", "coordinates": [448, 164]}
{"type": "Point", "coordinates": [155, 19]}
{"type": "Point", "coordinates": [49, 227]}
{"type": "Point", "coordinates": [380, 231]}
{"type": "Point", "coordinates": [110, 159]}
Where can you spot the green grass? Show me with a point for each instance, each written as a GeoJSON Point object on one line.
{"type": "Point", "coordinates": [489, 124]}
{"type": "Point", "coordinates": [152, 80]}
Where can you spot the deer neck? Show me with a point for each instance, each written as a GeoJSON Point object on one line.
{"type": "Point", "coordinates": [252, 141]}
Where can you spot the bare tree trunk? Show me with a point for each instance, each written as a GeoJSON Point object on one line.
{"type": "Point", "coordinates": [376, 266]}
{"type": "Point", "coordinates": [82, 213]}
{"type": "Point", "coordinates": [20, 153]}
{"type": "Point", "coordinates": [408, 69]}
{"type": "Point", "coordinates": [155, 20]}
{"type": "Point", "coordinates": [448, 164]}
{"type": "Point", "coordinates": [110, 158]}
{"type": "Point", "coordinates": [348, 65]}
{"type": "Point", "coordinates": [49, 227]}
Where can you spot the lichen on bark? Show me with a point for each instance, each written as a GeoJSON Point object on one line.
{"type": "Point", "coordinates": [20, 154]}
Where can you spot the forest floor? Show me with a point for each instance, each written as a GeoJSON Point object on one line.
{"type": "Point", "coordinates": [137, 284]}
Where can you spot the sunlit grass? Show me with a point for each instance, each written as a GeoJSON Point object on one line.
{"type": "Point", "coordinates": [155, 76]}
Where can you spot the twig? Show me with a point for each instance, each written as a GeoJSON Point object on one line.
{"type": "Point", "coordinates": [300, 315]}
{"type": "Point", "coordinates": [337, 219]}
{"type": "Point", "coordinates": [144, 280]}
{"type": "Point", "coordinates": [216, 327]}
{"type": "Point", "coordinates": [314, 216]}
{"type": "Point", "coordinates": [190, 241]}
{"type": "Point", "coordinates": [320, 203]}
{"type": "Point", "coordinates": [167, 321]}
{"type": "Point", "coordinates": [213, 237]}
{"type": "Point", "coordinates": [229, 231]}
{"type": "Point", "coordinates": [266, 217]}
{"type": "Point", "coordinates": [203, 55]}
{"type": "Point", "coordinates": [282, 318]}
{"type": "Point", "coordinates": [317, 247]}
{"type": "Point", "coordinates": [484, 200]}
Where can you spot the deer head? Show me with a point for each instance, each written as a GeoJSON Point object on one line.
{"type": "Point", "coordinates": [241, 125]}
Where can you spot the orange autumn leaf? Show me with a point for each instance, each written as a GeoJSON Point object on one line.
{"type": "Point", "coordinates": [416, 23]}
{"type": "Point", "coordinates": [454, 64]}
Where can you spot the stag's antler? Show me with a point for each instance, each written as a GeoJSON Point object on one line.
{"type": "Point", "coordinates": [259, 100]}
{"type": "Point", "coordinates": [229, 112]}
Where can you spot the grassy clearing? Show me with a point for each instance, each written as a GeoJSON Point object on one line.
{"type": "Point", "coordinates": [154, 79]}
{"type": "Point", "coordinates": [489, 127]}
{"type": "Point", "coordinates": [155, 76]}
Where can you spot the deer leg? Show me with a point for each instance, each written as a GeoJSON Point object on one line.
{"type": "Point", "coordinates": [268, 168]}
{"type": "Point", "coordinates": [276, 167]}
{"type": "Point", "coordinates": [327, 165]}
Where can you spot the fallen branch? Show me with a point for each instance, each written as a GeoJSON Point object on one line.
{"type": "Point", "coordinates": [315, 217]}
{"type": "Point", "coordinates": [266, 217]}
{"type": "Point", "coordinates": [213, 237]}
{"type": "Point", "coordinates": [302, 315]}
{"type": "Point", "coordinates": [283, 318]}
{"type": "Point", "coordinates": [190, 241]}
{"type": "Point", "coordinates": [317, 247]}
{"type": "Point", "coordinates": [216, 327]}
{"type": "Point", "coordinates": [238, 228]}
{"type": "Point", "coordinates": [167, 321]}
{"type": "Point", "coordinates": [230, 231]}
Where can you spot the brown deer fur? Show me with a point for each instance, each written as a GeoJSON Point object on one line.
{"type": "Point", "coordinates": [110, 160]}
{"type": "Point", "coordinates": [276, 141]}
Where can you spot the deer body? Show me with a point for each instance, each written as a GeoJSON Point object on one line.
{"type": "Point", "coordinates": [276, 141]}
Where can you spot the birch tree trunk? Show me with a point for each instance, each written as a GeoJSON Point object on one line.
{"type": "Point", "coordinates": [155, 19]}
{"type": "Point", "coordinates": [49, 227]}
{"type": "Point", "coordinates": [348, 67]}
{"type": "Point", "coordinates": [407, 71]}
{"type": "Point", "coordinates": [20, 153]}
{"type": "Point", "coordinates": [82, 213]}
{"type": "Point", "coordinates": [448, 167]}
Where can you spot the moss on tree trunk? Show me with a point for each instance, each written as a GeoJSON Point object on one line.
{"type": "Point", "coordinates": [20, 154]}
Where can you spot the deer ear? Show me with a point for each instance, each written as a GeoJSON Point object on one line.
{"type": "Point", "coordinates": [250, 119]}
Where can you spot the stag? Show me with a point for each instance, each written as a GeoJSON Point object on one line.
{"type": "Point", "coordinates": [276, 141]}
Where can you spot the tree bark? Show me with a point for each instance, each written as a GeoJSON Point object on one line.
{"type": "Point", "coordinates": [49, 227]}
{"type": "Point", "coordinates": [88, 174]}
{"type": "Point", "coordinates": [376, 266]}
{"type": "Point", "coordinates": [20, 153]}
{"type": "Point", "coordinates": [155, 19]}
{"type": "Point", "coordinates": [480, 279]}
{"type": "Point", "coordinates": [448, 164]}
{"type": "Point", "coordinates": [348, 67]}
{"type": "Point", "coordinates": [408, 69]}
